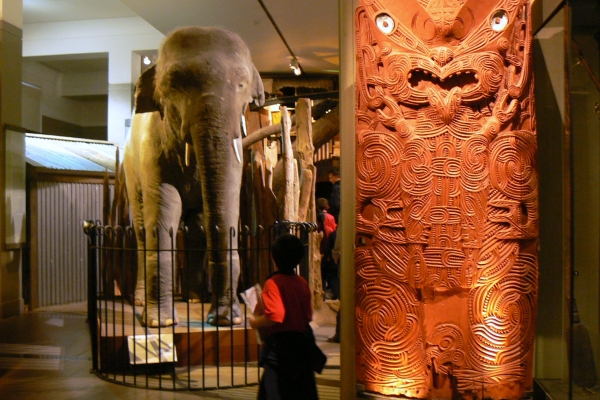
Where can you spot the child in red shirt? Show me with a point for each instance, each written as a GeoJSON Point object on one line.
{"type": "Point", "coordinates": [328, 223]}
{"type": "Point", "coordinates": [284, 319]}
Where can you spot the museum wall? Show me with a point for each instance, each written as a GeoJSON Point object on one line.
{"type": "Point", "coordinates": [117, 37]}
{"type": "Point", "coordinates": [70, 104]}
{"type": "Point", "coordinates": [31, 113]}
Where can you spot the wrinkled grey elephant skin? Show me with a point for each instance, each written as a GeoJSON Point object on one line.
{"type": "Point", "coordinates": [196, 94]}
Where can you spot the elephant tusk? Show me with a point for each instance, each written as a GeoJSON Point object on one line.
{"type": "Point", "coordinates": [188, 154]}
{"type": "Point", "coordinates": [237, 143]}
{"type": "Point", "coordinates": [243, 120]}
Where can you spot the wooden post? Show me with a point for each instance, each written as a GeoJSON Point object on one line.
{"type": "Point", "coordinates": [304, 154]}
{"type": "Point", "coordinates": [290, 204]}
{"type": "Point", "coordinates": [307, 208]}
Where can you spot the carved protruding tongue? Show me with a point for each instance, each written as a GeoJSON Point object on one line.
{"type": "Point", "coordinates": [188, 154]}
{"type": "Point", "coordinates": [445, 103]}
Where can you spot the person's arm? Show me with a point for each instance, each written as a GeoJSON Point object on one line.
{"type": "Point", "coordinates": [337, 248]}
{"type": "Point", "coordinates": [269, 305]}
{"type": "Point", "coordinates": [260, 321]}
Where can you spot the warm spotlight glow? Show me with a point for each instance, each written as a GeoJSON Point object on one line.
{"type": "Point", "coordinates": [295, 66]}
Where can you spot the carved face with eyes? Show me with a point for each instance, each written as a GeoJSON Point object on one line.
{"type": "Point", "coordinates": [446, 198]}
{"type": "Point", "coordinates": [440, 48]}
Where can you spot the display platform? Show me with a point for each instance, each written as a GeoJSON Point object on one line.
{"type": "Point", "coordinates": [196, 343]}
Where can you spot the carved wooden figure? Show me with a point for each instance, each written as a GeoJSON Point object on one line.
{"type": "Point", "coordinates": [447, 215]}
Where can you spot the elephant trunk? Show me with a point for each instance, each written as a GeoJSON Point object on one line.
{"type": "Point", "coordinates": [216, 139]}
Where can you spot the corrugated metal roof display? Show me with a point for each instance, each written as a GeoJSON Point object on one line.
{"type": "Point", "coordinates": [70, 154]}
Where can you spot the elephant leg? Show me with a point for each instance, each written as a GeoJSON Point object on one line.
{"type": "Point", "coordinates": [225, 307]}
{"type": "Point", "coordinates": [162, 211]}
{"type": "Point", "coordinates": [195, 279]}
{"type": "Point", "coordinates": [138, 222]}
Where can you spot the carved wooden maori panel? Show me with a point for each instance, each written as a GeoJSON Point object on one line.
{"type": "Point", "coordinates": [447, 215]}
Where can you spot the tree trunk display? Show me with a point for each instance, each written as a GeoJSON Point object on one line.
{"type": "Point", "coordinates": [447, 214]}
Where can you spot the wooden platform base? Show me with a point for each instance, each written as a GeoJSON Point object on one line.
{"type": "Point", "coordinates": [197, 344]}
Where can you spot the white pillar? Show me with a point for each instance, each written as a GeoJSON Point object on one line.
{"type": "Point", "coordinates": [124, 68]}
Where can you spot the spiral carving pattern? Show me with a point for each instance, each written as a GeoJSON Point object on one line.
{"type": "Point", "coordinates": [378, 164]}
{"type": "Point", "coordinates": [513, 159]}
{"type": "Point", "coordinates": [447, 215]}
{"type": "Point", "coordinates": [416, 169]}
{"type": "Point", "coordinates": [388, 312]}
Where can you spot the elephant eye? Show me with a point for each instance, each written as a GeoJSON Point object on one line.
{"type": "Point", "coordinates": [499, 20]}
{"type": "Point", "coordinates": [385, 23]}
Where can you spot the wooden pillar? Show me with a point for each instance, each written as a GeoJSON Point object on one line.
{"type": "Point", "coordinates": [290, 206]}
{"type": "Point", "coordinates": [11, 45]}
{"type": "Point", "coordinates": [348, 194]}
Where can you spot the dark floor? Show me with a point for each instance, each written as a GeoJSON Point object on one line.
{"type": "Point", "coordinates": [556, 389]}
{"type": "Point", "coordinates": [46, 354]}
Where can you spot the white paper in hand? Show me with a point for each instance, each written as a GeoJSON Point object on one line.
{"type": "Point", "coordinates": [251, 296]}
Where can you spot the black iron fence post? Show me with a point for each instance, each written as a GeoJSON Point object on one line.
{"type": "Point", "coordinates": [90, 230]}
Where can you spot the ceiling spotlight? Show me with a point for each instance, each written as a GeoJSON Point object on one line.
{"type": "Point", "coordinates": [295, 66]}
{"type": "Point", "coordinates": [146, 60]}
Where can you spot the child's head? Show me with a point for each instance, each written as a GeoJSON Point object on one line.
{"type": "Point", "coordinates": [287, 252]}
{"type": "Point", "coordinates": [322, 204]}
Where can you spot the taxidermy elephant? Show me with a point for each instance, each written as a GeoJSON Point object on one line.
{"type": "Point", "coordinates": [193, 98]}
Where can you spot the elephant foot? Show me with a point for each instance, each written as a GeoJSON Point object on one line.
{"type": "Point", "coordinates": [140, 296]}
{"type": "Point", "coordinates": [194, 301]}
{"type": "Point", "coordinates": [223, 321]}
{"type": "Point", "coordinates": [154, 323]}
{"type": "Point", "coordinates": [151, 320]}
{"type": "Point", "coordinates": [225, 315]}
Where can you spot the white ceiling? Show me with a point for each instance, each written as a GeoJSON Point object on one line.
{"type": "Point", "coordinates": [309, 26]}
{"type": "Point", "coordinates": [73, 10]}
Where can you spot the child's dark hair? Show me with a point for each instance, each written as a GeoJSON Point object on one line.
{"type": "Point", "coordinates": [287, 252]}
{"type": "Point", "coordinates": [322, 204]}
{"type": "Point", "coordinates": [321, 217]}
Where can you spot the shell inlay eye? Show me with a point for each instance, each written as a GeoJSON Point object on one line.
{"type": "Point", "coordinates": [385, 23]}
{"type": "Point", "coordinates": [499, 20]}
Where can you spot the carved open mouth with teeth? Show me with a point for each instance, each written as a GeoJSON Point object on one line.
{"type": "Point", "coordinates": [421, 80]}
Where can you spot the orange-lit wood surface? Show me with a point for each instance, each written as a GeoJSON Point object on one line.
{"type": "Point", "coordinates": [447, 214]}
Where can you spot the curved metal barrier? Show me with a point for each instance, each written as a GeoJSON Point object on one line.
{"type": "Point", "coordinates": [191, 355]}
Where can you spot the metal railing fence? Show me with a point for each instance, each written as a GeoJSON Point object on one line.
{"type": "Point", "coordinates": [191, 355]}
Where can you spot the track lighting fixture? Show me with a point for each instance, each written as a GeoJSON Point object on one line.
{"type": "Point", "coordinates": [295, 66]}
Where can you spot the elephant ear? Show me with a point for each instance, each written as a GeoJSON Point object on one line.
{"type": "Point", "coordinates": [144, 92]}
{"type": "Point", "coordinates": [258, 90]}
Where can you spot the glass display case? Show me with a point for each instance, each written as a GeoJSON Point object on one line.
{"type": "Point", "coordinates": [567, 67]}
